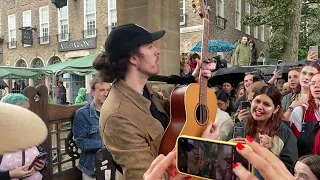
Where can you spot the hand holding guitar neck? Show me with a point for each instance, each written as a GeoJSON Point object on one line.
{"type": "Point", "coordinates": [205, 71]}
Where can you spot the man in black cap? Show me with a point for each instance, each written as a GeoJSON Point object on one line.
{"type": "Point", "coordinates": [133, 117]}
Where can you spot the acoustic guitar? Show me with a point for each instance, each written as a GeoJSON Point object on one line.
{"type": "Point", "coordinates": [192, 106]}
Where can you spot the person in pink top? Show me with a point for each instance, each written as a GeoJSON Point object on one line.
{"type": "Point", "coordinates": [15, 165]}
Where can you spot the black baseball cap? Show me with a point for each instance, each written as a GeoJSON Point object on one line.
{"type": "Point", "coordinates": [125, 38]}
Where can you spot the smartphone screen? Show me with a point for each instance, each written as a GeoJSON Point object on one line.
{"type": "Point", "coordinates": [315, 49]}
{"type": "Point", "coordinates": [208, 159]}
{"type": "Point", "coordinates": [302, 96]}
{"type": "Point", "coordinates": [245, 105]}
{"type": "Point", "coordinates": [239, 132]}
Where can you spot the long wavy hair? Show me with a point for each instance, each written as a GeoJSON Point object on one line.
{"type": "Point", "coordinates": [273, 122]}
{"type": "Point", "coordinates": [311, 64]}
{"type": "Point", "coordinates": [312, 105]}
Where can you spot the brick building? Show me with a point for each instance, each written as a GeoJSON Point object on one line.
{"type": "Point", "coordinates": [225, 19]}
{"type": "Point", "coordinates": [76, 30]}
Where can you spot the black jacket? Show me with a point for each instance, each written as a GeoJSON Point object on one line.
{"type": "Point", "coordinates": [289, 152]}
{"type": "Point", "coordinates": [4, 175]}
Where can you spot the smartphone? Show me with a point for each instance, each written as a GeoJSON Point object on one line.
{"type": "Point", "coordinates": [36, 159]}
{"type": "Point", "coordinates": [302, 96]}
{"type": "Point", "coordinates": [279, 68]}
{"type": "Point", "coordinates": [245, 105]}
{"type": "Point", "coordinates": [208, 159]}
{"type": "Point", "coordinates": [239, 132]}
{"type": "Point", "coordinates": [315, 49]}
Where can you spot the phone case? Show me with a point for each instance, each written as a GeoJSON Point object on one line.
{"type": "Point", "coordinates": [210, 140]}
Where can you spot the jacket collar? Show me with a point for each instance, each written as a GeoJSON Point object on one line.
{"type": "Point", "coordinates": [92, 111]}
{"type": "Point", "coordinates": [138, 99]}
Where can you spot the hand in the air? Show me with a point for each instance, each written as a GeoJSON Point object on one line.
{"type": "Point", "coordinates": [207, 70]}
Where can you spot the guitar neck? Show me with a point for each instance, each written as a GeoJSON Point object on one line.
{"type": "Point", "coordinates": [204, 57]}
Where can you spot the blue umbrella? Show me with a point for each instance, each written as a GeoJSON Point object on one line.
{"type": "Point", "coordinates": [215, 46]}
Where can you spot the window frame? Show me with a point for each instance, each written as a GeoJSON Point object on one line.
{"type": "Point", "coordinates": [24, 24]}
{"type": "Point", "coordinates": [238, 20]}
{"type": "Point", "coordinates": [248, 11]}
{"type": "Point", "coordinates": [11, 44]}
{"type": "Point", "coordinates": [112, 24]}
{"type": "Point", "coordinates": [41, 41]}
{"type": "Point", "coordinates": [60, 39]}
{"type": "Point", "coordinates": [182, 23]}
{"type": "Point", "coordinates": [85, 30]}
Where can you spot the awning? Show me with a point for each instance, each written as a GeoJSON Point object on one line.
{"type": "Point", "coordinates": [8, 73]}
{"type": "Point", "coordinates": [80, 66]}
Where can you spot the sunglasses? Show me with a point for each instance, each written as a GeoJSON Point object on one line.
{"type": "Point", "coordinates": [295, 68]}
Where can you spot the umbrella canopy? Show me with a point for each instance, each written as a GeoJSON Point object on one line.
{"type": "Point", "coordinates": [3, 84]}
{"type": "Point", "coordinates": [285, 69]}
{"type": "Point", "coordinates": [215, 46]}
{"type": "Point", "coordinates": [74, 65]}
{"type": "Point", "coordinates": [16, 73]}
{"type": "Point", "coordinates": [303, 62]}
{"type": "Point", "coordinates": [234, 75]}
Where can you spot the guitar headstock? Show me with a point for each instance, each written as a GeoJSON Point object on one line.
{"type": "Point", "coordinates": [200, 7]}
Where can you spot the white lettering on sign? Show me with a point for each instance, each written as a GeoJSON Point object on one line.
{"type": "Point", "coordinates": [191, 29]}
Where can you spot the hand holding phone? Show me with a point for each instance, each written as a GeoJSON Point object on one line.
{"type": "Point", "coordinates": [37, 160]}
{"type": "Point", "coordinates": [208, 159]}
{"type": "Point", "coordinates": [245, 105]}
{"type": "Point", "coordinates": [302, 97]}
{"type": "Point", "coordinates": [313, 53]}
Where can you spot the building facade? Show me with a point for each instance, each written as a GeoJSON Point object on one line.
{"type": "Point", "coordinates": [34, 33]}
{"type": "Point", "coordinates": [225, 24]}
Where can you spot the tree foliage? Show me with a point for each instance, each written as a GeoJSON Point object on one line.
{"type": "Point", "coordinates": [280, 15]}
{"type": "Point", "coordinates": [310, 23]}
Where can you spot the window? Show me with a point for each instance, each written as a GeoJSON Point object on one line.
{"type": "Point", "coordinates": [90, 18]}
{"type": "Point", "coordinates": [182, 12]}
{"type": "Point", "coordinates": [256, 28]}
{"type": "Point", "coordinates": [220, 13]}
{"type": "Point", "coordinates": [112, 14]}
{"type": "Point", "coordinates": [63, 24]}
{"type": "Point", "coordinates": [248, 12]}
{"type": "Point", "coordinates": [27, 21]}
{"type": "Point", "coordinates": [261, 32]}
{"type": "Point", "coordinates": [44, 25]}
{"type": "Point", "coordinates": [12, 31]}
{"type": "Point", "coordinates": [27, 18]}
{"type": "Point", "coordinates": [238, 15]}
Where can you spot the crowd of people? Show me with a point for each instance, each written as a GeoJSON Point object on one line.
{"type": "Point", "coordinates": [129, 118]}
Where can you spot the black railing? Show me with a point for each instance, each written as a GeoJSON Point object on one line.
{"type": "Point", "coordinates": [221, 22]}
{"type": "Point", "coordinates": [89, 33]}
{"type": "Point", "coordinates": [12, 44]}
{"type": "Point", "coordinates": [44, 40]}
{"type": "Point", "coordinates": [63, 37]}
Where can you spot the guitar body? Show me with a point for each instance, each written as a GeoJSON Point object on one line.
{"type": "Point", "coordinates": [184, 104]}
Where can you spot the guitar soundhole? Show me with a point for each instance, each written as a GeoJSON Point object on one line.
{"type": "Point", "coordinates": [202, 114]}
